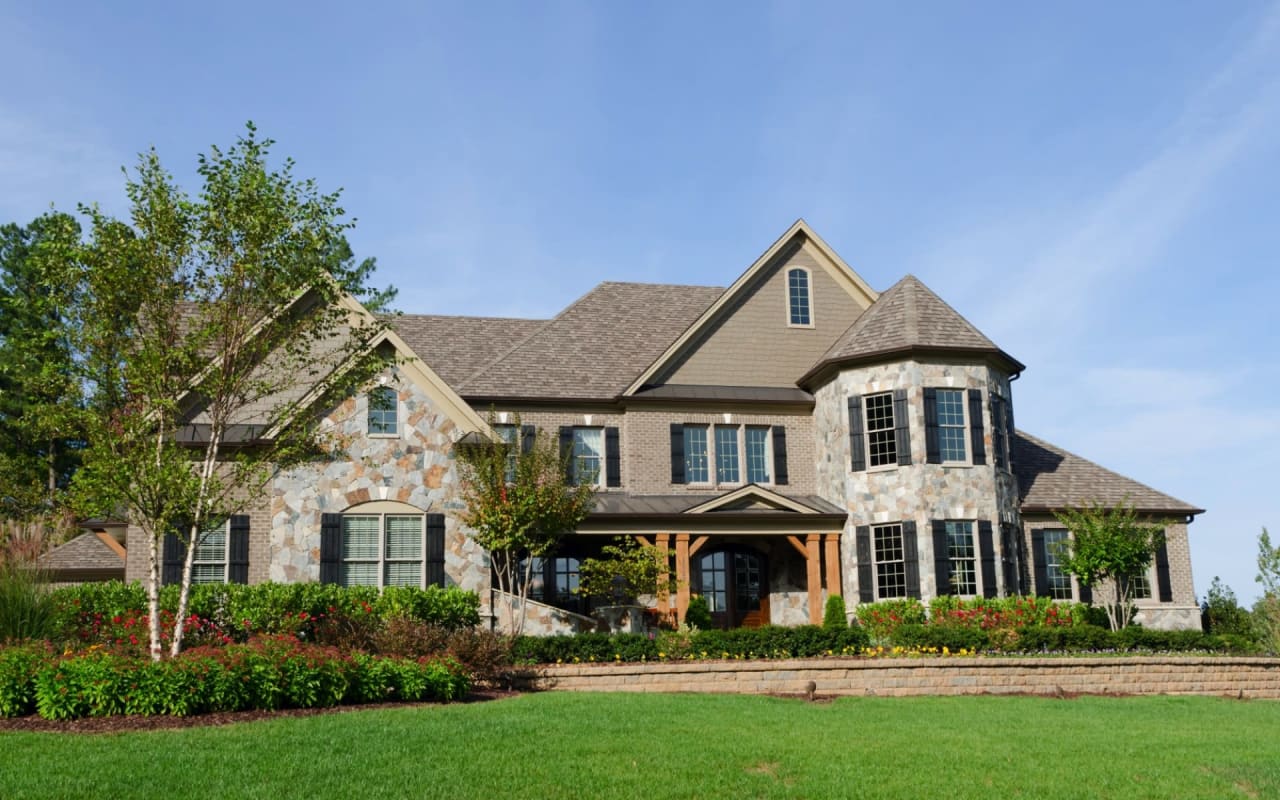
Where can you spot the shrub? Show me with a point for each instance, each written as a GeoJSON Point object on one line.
{"type": "Point", "coordinates": [698, 614]}
{"type": "Point", "coordinates": [27, 608]}
{"type": "Point", "coordinates": [881, 619]}
{"type": "Point", "coordinates": [769, 641]}
{"type": "Point", "coordinates": [18, 668]}
{"type": "Point", "coordinates": [833, 616]}
{"type": "Point", "coordinates": [937, 637]}
{"type": "Point", "coordinates": [1221, 613]}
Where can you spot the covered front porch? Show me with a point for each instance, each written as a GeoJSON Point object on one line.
{"type": "Point", "coordinates": [758, 557]}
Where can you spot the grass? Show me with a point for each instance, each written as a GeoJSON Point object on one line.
{"type": "Point", "coordinates": [559, 745]}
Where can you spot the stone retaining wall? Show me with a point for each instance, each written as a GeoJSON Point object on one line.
{"type": "Point", "coordinates": [1247, 677]}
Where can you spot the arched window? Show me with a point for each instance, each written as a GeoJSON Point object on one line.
{"type": "Point", "coordinates": [799, 299]}
{"type": "Point", "coordinates": [382, 543]}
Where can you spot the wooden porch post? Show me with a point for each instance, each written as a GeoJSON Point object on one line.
{"type": "Point", "coordinates": [664, 597]}
{"type": "Point", "coordinates": [833, 565]}
{"type": "Point", "coordinates": [682, 575]}
{"type": "Point", "coordinates": [813, 560]}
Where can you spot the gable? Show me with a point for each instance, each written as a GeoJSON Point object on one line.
{"type": "Point", "coordinates": [745, 338]}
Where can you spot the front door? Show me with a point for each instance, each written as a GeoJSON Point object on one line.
{"type": "Point", "coordinates": [736, 585]}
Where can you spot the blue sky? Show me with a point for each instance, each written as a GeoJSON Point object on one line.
{"type": "Point", "coordinates": [1093, 185]}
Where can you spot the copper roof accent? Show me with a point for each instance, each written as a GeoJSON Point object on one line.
{"type": "Point", "coordinates": [86, 552]}
{"type": "Point", "coordinates": [457, 347]}
{"type": "Point", "coordinates": [1050, 479]}
{"type": "Point", "coordinates": [596, 347]}
{"type": "Point", "coordinates": [908, 318]}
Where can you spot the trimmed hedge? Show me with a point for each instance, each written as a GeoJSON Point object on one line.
{"type": "Point", "coordinates": [265, 673]}
{"type": "Point", "coordinates": [770, 641]}
{"type": "Point", "coordinates": [1064, 639]}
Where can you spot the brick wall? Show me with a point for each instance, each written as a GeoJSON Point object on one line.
{"type": "Point", "coordinates": [1236, 677]}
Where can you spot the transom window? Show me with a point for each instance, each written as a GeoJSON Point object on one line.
{"type": "Point", "coordinates": [588, 456]}
{"type": "Point", "coordinates": [1059, 580]}
{"type": "Point", "coordinates": [210, 565]}
{"type": "Point", "coordinates": [798, 297]}
{"type": "Point", "coordinates": [952, 429]}
{"type": "Point", "coordinates": [891, 566]}
{"type": "Point", "coordinates": [381, 550]}
{"type": "Point", "coordinates": [736, 450]}
{"type": "Point", "coordinates": [964, 574]}
{"type": "Point", "coordinates": [383, 412]}
{"type": "Point", "coordinates": [882, 445]}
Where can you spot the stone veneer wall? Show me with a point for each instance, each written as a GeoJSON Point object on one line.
{"type": "Point", "coordinates": [920, 492]}
{"type": "Point", "coordinates": [415, 467]}
{"type": "Point", "coordinates": [1234, 677]}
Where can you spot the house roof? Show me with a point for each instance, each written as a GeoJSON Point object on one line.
{"type": "Point", "coordinates": [908, 317]}
{"type": "Point", "coordinates": [88, 552]}
{"type": "Point", "coordinates": [666, 505]}
{"type": "Point", "coordinates": [594, 348]}
{"type": "Point", "coordinates": [456, 347]}
{"type": "Point", "coordinates": [1050, 478]}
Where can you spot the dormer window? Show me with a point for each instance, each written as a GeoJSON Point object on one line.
{"type": "Point", "coordinates": [383, 412]}
{"type": "Point", "coordinates": [799, 300]}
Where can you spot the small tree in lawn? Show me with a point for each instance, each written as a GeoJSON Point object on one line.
{"type": "Point", "coordinates": [1109, 544]}
{"type": "Point", "coordinates": [207, 328]}
{"type": "Point", "coordinates": [520, 506]}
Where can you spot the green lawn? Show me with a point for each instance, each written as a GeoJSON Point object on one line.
{"type": "Point", "coordinates": [563, 745]}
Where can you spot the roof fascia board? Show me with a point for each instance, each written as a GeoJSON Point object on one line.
{"type": "Point", "coordinates": [997, 358]}
{"type": "Point", "coordinates": [831, 262]}
{"type": "Point", "coordinates": [753, 491]}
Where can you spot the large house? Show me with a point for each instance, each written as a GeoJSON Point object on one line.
{"type": "Point", "coordinates": [794, 436]}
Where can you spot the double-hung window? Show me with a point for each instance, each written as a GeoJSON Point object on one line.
{"type": "Point", "coordinates": [738, 453]}
{"type": "Point", "coordinates": [727, 469]}
{"type": "Point", "coordinates": [960, 552]}
{"type": "Point", "coordinates": [382, 550]}
{"type": "Point", "coordinates": [588, 456]}
{"type": "Point", "coordinates": [890, 561]}
{"type": "Point", "coordinates": [758, 457]}
{"type": "Point", "coordinates": [210, 565]}
{"type": "Point", "coordinates": [510, 436]}
{"type": "Point", "coordinates": [696, 462]}
{"type": "Point", "coordinates": [952, 428]}
{"type": "Point", "coordinates": [882, 447]}
{"type": "Point", "coordinates": [384, 406]}
{"type": "Point", "coordinates": [1058, 579]}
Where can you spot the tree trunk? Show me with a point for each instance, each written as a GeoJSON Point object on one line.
{"type": "Point", "coordinates": [197, 525]}
{"type": "Point", "coordinates": [153, 596]}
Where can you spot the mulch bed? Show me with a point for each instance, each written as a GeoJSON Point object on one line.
{"type": "Point", "coordinates": [124, 724]}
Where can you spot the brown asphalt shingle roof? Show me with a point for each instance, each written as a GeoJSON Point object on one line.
{"type": "Point", "coordinates": [85, 552]}
{"type": "Point", "coordinates": [456, 347]}
{"type": "Point", "coordinates": [597, 346]}
{"type": "Point", "coordinates": [908, 316]}
{"type": "Point", "coordinates": [1050, 478]}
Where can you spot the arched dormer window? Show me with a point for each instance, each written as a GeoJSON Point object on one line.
{"type": "Point", "coordinates": [799, 298]}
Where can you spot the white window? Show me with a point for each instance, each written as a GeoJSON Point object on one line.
{"type": "Point", "coordinates": [696, 463]}
{"type": "Point", "coordinates": [890, 561]}
{"type": "Point", "coordinates": [382, 550]}
{"type": "Point", "coordinates": [588, 456]}
{"type": "Point", "coordinates": [727, 470]}
{"type": "Point", "coordinates": [384, 408]}
{"type": "Point", "coordinates": [1059, 580]}
{"type": "Point", "coordinates": [799, 299]}
{"type": "Point", "coordinates": [964, 574]}
{"type": "Point", "coordinates": [510, 435]}
{"type": "Point", "coordinates": [210, 565]}
{"type": "Point", "coordinates": [882, 442]}
{"type": "Point", "coordinates": [758, 447]}
{"type": "Point", "coordinates": [952, 427]}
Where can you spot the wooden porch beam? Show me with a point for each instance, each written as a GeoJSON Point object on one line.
{"type": "Point", "coordinates": [798, 545]}
{"type": "Point", "coordinates": [833, 564]}
{"type": "Point", "coordinates": [697, 545]}
{"type": "Point", "coordinates": [643, 540]}
{"type": "Point", "coordinates": [682, 575]}
{"type": "Point", "coordinates": [664, 597]}
{"type": "Point", "coordinates": [814, 563]}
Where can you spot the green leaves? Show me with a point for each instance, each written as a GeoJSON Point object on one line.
{"type": "Point", "coordinates": [1110, 544]}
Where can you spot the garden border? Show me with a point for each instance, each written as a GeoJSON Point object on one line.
{"type": "Point", "coordinates": [1242, 677]}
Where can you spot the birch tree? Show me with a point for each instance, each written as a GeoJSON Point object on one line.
{"type": "Point", "coordinates": [210, 326]}
{"type": "Point", "coordinates": [1110, 545]}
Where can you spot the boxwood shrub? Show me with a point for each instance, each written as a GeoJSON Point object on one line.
{"type": "Point", "coordinates": [770, 641]}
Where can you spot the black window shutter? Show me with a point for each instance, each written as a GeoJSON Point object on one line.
{"type": "Point", "coordinates": [976, 428]}
{"type": "Point", "coordinates": [1086, 594]}
{"type": "Point", "coordinates": [998, 431]}
{"type": "Point", "coordinates": [866, 590]}
{"type": "Point", "coordinates": [1038, 557]}
{"type": "Point", "coordinates": [911, 557]}
{"type": "Point", "coordinates": [932, 448]}
{"type": "Point", "coordinates": [857, 444]}
{"type": "Point", "coordinates": [528, 434]}
{"type": "Point", "coordinates": [238, 550]}
{"type": "Point", "coordinates": [1008, 429]}
{"type": "Point", "coordinates": [1164, 584]}
{"type": "Point", "coordinates": [677, 453]}
{"type": "Point", "coordinates": [902, 427]}
{"type": "Point", "coordinates": [612, 458]}
{"type": "Point", "coordinates": [330, 547]}
{"type": "Point", "coordinates": [435, 549]}
{"type": "Point", "coordinates": [1009, 553]}
{"type": "Point", "coordinates": [779, 455]}
{"type": "Point", "coordinates": [172, 557]}
{"type": "Point", "coordinates": [987, 551]}
{"type": "Point", "coordinates": [566, 452]}
{"type": "Point", "coordinates": [941, 556]}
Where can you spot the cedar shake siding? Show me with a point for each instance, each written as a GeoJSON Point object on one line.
{"type": "Point", "coordinates": [791, 437]}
